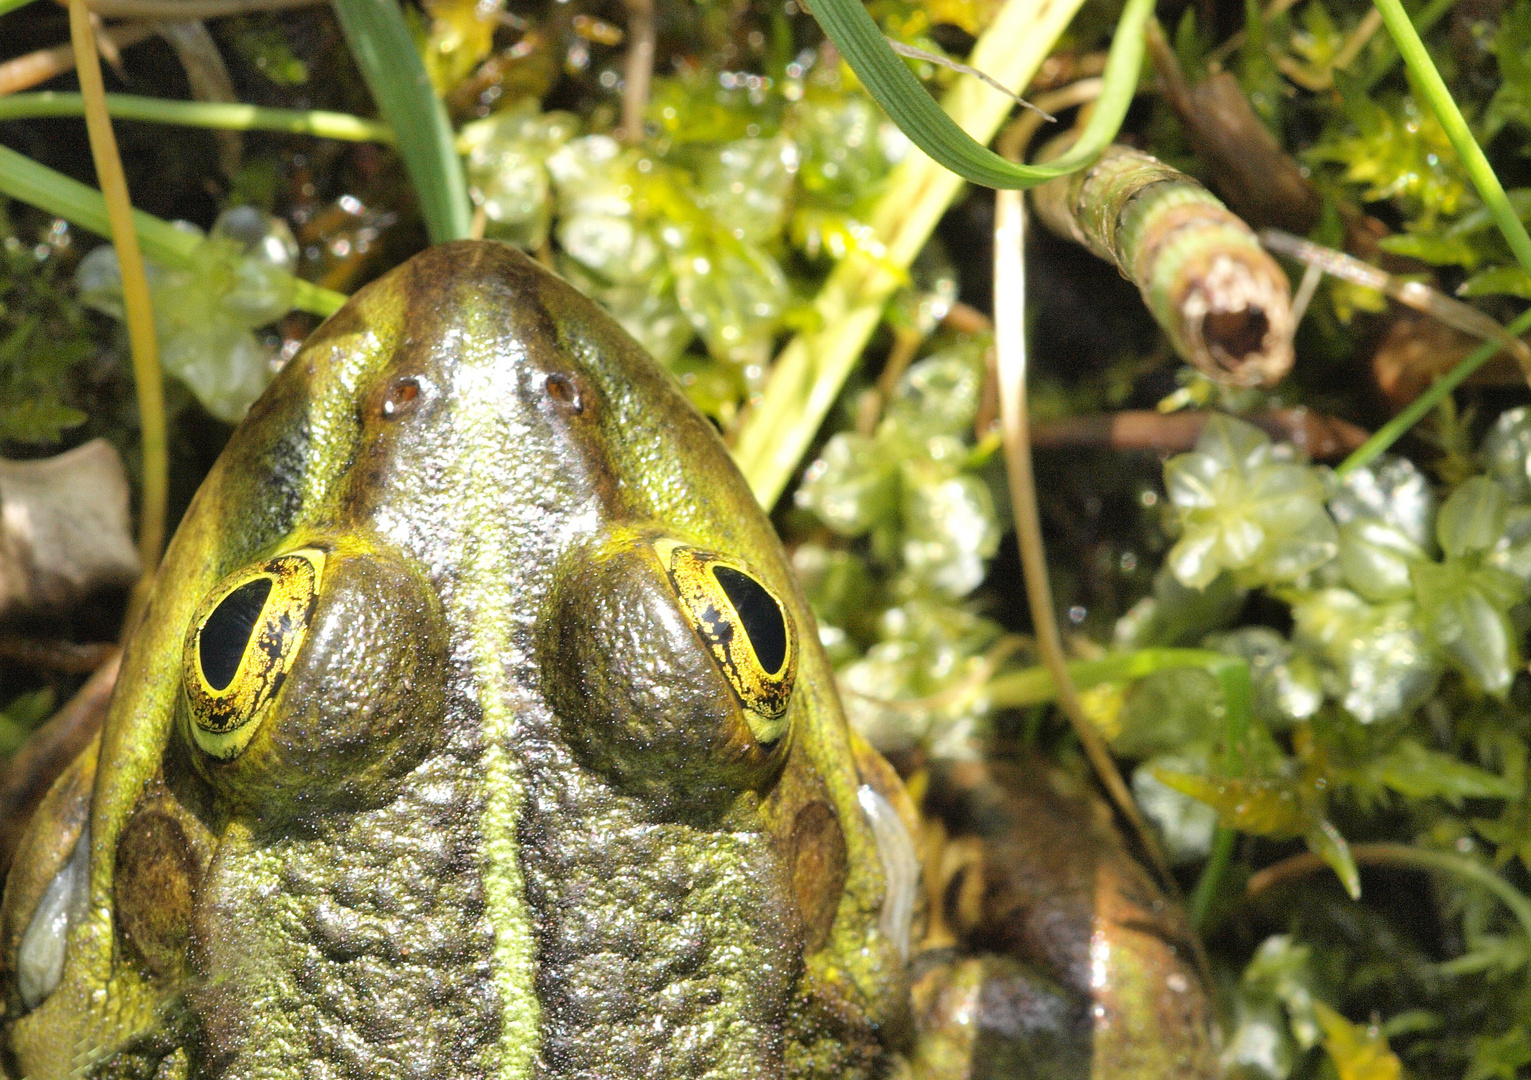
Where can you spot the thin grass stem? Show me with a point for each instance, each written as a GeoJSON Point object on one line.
{"type": "Point", "coordinates": [1403, 855]}
{"type": "Point", "coordinates": [1387, 52]}
{"type": "Point", "coordinates": [637, 67]}
{"type": "Point", "coordinates": [1037, 686]}
{"type": "Point", "coordinates": [137, 306]}
{"type": "Point", "coordinates": [1210, 883]}
{"type": "Point", "coordinates": [901, 95]}
{"type": "Point", "coordinates": [1010, 349]}
{"type": "Point", "coordinates": [203, 114]}
{"type": "Point", "coordinates": [809, 372]}
{"type": "Point", "coordinates": [1416, 410]}
{"type": "Point", "coordinates": [385, 52]}
{"type": "Point", "coordinates": [28, 70]}
{"type": "Point", "coordinates": [1414, 294]}
{"type": "Point", "coordinates": [1490, 190]}
{"type": "Point", "coordinates": [35, 184]}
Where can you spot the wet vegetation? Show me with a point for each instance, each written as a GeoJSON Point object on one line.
{"type": "Point", "coordinates": [1303, 645]}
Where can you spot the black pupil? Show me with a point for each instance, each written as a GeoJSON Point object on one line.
{"type": "Point", "coordinates": [761, 616]}
{"type": "Point", "coordinates": [227, 631]}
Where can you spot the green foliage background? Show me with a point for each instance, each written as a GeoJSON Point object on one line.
{"type": "Point", "coordinates": [1380, 610]}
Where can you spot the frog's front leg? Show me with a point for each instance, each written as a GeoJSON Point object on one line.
{"type": "Point", "coordinates": [1051, 954]}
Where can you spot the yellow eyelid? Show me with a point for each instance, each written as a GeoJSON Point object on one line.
{"type": "Point", "coordinates": [763, 695]}
{"type": "Point", "coordinates": [223, 720]}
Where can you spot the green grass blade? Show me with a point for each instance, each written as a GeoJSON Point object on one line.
{"type": "Point", "coordinates": [25, 180]}
{"type": "Point", "coordinates": [894, 87]}
{"type": "Point", "coordinates": [316, 299]}
{"type": "Point", "coordinates": [385, 53]}
{"type": "Point", "coordinates": [80, 204]}
{"type": "Point", "coordinates": [207, 114]}
{"type": "Point", "coordinates": [1490, 190]}
{"type": "Point", "coordinates": [1399, 425]}
{"type": "Point", "coordinates": [1035, 686]}
{"type": "Point", "coordinates": [8, 6]}
{"type": "Point", "coordinates": [1387, 53]}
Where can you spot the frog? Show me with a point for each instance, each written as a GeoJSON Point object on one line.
{"type": "Point", "coordinates": [473, 726]}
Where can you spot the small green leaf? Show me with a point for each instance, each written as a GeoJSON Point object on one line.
{"type": "Point", "coordinates": [1376, 659]}
{"type": "Point", "coordinates": [1358, 1053]}
{"type": "Point", "coordinates": [1325, 841]}
{"type": "Point", "coordinates": [1511, 103]}
{"type": "Point", "coordinates": [1439, 249]}
{"type": "Point", "coordinates": [40, 421]}
{"type": "Point", "coordinates": [1258, 807]}
{"type": "Point", "coordinates": [1498, 281]}
{"type": "Point", "coordinates": [1472, 517]}
{"type": "Point", "coordinates": [53, 192]}
{"type": "Point", "coordinates": [1282, 968]}
{"type": "Point", "coordinates": [1375, 558]}
{"type": "Point", "coordinates": [1501, 1057]}
{"type": "Point", "coordinates": [21, 718]}
{"type": "Point", "coordinates": [1416, 772]}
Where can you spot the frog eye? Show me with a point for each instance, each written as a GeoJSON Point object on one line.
{"type": "Point", "coordinates": [241, 645]}
{"type": "Point", "coordinates": [744, 625]}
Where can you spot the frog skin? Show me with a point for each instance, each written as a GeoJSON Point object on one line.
{"type": "Point", "coordinates": [474, 727]}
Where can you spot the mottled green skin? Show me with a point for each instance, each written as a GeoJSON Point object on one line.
{"type": "Point", "coordinates": [419, 867]}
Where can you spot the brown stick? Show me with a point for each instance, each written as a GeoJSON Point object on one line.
{"type": "Point", "coordinates": [31, 771]}
{"type": "Point", "coordinates": [137, 307]}
{"type": "Point", "coordinates": [1010, 354]}
{"type": "Point", "coordinates": [1260, 181]}
{"type": "Point", "coordinates": [25, 72]}
{"type": "Point", "coordinates": [70, 657]}
{"type": "Point", "coordinates": [209, 79]}
{"type": "Point", "coordinates": [638, 68]}
{"type": "Point", "coordinates": [966, 319]}
{"type": "Point", "coordinates": [181, 10]}
{"type": "Point", "coordinates": [1322, 438]}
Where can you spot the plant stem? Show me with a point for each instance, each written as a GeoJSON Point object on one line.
{"type": "Point", "coordinates": [385, 52]}
{"type": "Point", "coordinates": [637, 68]}
{"type": "Point", "coordinates": [1403, 855]}
{"type": "Point", "coordinates": [137, 307]}
{"type": "Point", "coordinates": [1490, 190]}
{"type": "Point", "coordinates": [1210, 882]}
{"type": "Point", "coordinates": [1433, 12]}
{"type": "Point", "coordinates": [26, 71]}
{"type": "Point", "coordinates": [1395, 428]}
{"type": "Point", "coordinates": [809, 372]}
{"type": "Point", "coordinates": [82, 205]}
{"type": "Point", "coordinates": [1036, 686]}
{"type": "Point", "coordinates": [890, 82]}
{"type": "Point", "coordinates": [1010, 349]}
{"type": "Point", "coordinates": [207, 114]}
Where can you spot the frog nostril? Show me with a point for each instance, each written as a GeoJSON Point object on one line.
{"type": "Point", "coordinates": [402, 396]}
{"type": "Point", "coordinates": [561, 389]}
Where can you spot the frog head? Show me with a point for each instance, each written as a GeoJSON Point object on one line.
{"type": "Point", "coordinates": [474, 727]}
